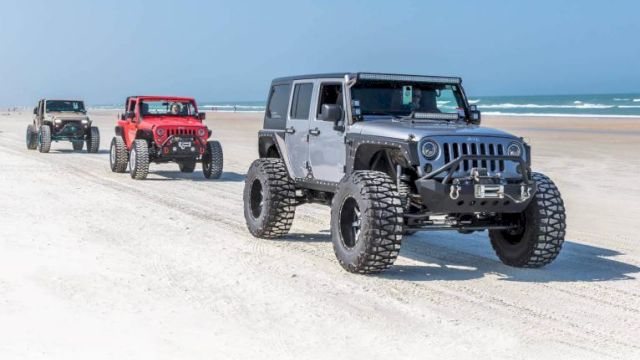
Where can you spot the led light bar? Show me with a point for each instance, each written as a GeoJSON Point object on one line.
{"type": "Point", "coordinates": [410, 78]}
{"type": "Point", "coordinates": [436, 116]}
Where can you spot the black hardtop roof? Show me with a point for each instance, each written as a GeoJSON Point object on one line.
{"type": "Point", "coordinates": [288, 79]}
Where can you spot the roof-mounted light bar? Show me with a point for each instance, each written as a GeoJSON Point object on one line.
{"type": "Point", "coordinates": [435, 116]}
{"type": "Point", "coordinates": [409, 78]}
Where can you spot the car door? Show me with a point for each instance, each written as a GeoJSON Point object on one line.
{"type": "Point", "coordinates": [131, 128]}
{"type": "Point", "coordinates": [297, 127]}
{"type": "Point", "coordinates": [327, 152]}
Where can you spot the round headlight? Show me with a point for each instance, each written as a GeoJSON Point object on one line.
{"type": "Point", "coordinates": [160, 131]}
{"type": "Point", "coordinates": [430, 149]}
{"type": "Point", "coordinates": [201, 132]}
{"type": "Point", "coordinates": [514, 149]}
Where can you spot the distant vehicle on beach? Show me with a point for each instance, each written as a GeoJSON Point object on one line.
{"type": "Point", "coordinates": [163, 129]}
{"type": "Point", "coordinates": [62, 120]}
{"type": "Point", "coordinates": [393, 155]}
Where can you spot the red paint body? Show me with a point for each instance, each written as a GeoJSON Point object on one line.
{"type": "Point", "coordinates": [161, 128]}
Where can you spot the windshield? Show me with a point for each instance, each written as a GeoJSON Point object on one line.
{"type": "Point", "coordinates": [65, 106]}
{"type": "Point", "coordinates": [403, 99]}
{"type": "Point", "coordinates": [167, 107]}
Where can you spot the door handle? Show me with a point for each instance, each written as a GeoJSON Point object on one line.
{"type": "Point", "coordinates": [314, 132]}
{"type": "Point", "coordinates": [290, 130]}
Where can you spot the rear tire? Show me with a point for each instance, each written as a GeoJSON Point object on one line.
{"type": "Point", "coordinates": [32, 137]}
{"type": "Point", "coordinates": [44, 139]}
{"type": "Point", "coordinates": [269, 199]}
{"type": "Point", "coordinates": [118, 155]}
{"type": "Point", "coordinates": [139, 160]}
{"type": "Point", "coordinates": [187, 166]}
{"type": "Point", "coordinates": [539, 240]}
{"type": "Point", "coordinates": [77, 145]}
{"type": "Point", "coordinates": [366, 222]}
{"type": "Point", "coordinates": [93, 141]}
{"type": "Point", "coordinates": [212, 161]}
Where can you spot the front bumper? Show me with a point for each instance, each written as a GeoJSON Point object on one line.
{"type": "Point", "coordinates": [181, 147]}
{"type": "Point", "coordinates": [478, 192]}
{"type": "Point", "coordinates": [69, 130]}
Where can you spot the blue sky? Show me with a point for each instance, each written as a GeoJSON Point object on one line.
{"type": "Point", "coordinates": [230, 50]}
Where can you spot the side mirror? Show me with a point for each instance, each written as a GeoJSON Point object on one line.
{"type": "Point", "coordinates": [331, 112]}
{"type": "Point", "coordinates": [202, 116]}
{"type": "Point", "coordinates": [35, 111]}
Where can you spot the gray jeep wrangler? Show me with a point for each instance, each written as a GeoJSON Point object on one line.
{"type": "Point", "coordinates": [393, 155]}
{"type": "Point", "coordinates": [61, 120]}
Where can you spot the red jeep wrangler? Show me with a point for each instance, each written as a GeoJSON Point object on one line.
{"type": "Point", "coordinates": [162, 129]}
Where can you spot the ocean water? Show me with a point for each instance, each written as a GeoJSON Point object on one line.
{"type": "Point", "coordinates": [619, 105]}
{"type": "Point", "coordinates": [583, 105]}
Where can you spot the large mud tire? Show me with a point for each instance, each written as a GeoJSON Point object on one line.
{"type": "Point", "coordinates": [93, 141]}
{"type": "Point", "coordinates": [269, 199]}
{"type": "Point", "coordinates": [139, 160]}
{"type": "Point", "coordinates": [539, 239]}
{"type": "Point", "coordinates": [32, 137]}
{"type": "Point", "coordinates": [44, 139]}
{"type": "Point", "coordinates": [118, 155]}
{"type": "Point", "coordinates": [213, 160]}
{"type": "Point", "coordinates": [366, 222]}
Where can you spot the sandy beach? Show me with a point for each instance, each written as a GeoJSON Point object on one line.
{"type": "Point", "coordinates": [96, 265]}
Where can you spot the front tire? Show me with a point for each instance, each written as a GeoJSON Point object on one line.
{"type": "Point", "coordinates": [118, 155]}
{"type": "Point", "coordinates": [93, 141]}
{"type": "Point", "coordinates": [212, 161]}
{"type": "Point", "coordinates": [269, 199]}
{"type": "Point", "coordinates": [366, 222]}
{"type": "Point", "coordinates": [139, 160]}
{"type": "Point", "coordinates": [32, 137]}
{"type": "Point", "coordinates": [540, 235]}
{"type": "Point", "coordinates": [44, 139]}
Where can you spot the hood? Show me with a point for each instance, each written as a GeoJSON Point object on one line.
{"type": "Point", "coordinates": [65, 115]}
{"type": "Point", "coordinates": [402, 129]}
{"type": "Point", "coordinates": [171, 121]}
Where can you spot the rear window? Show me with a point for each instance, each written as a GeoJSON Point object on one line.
{"type": "Point", "coordinates": [278, 101]}
{"type": "Point", "coordinates": [301, 101]}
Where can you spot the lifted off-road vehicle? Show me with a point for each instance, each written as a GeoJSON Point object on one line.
{"type": "Point", "coordinates": [163, 129]}
{"type": "Point", "coordinates": [393, 155]}
{"type": "Point", "coordinates": [61, 120]}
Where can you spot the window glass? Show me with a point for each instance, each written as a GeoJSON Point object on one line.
{"type": "Point", "coordinates": [65, 106]}
{"type": "Point", "coordinates": [330, 94]}
{"type": "Point", "coordinates": [278, 101]}
{"type": "Point", "coordinates": [167, 108]}
{"type": "Point", "coordinates": [301, 101]}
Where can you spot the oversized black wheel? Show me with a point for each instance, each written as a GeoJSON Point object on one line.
{"type": "Point", "coordinates": [212, 161]}
{"type": "Point", "coordinates": [187, 166]}
{"type": "Point", "coordinates": [77, 145]}
{"type": "Point", "coordinates": [118, 155]}
{"type": "Point", "coordinates": [366, 222]}
{"type": "Point", "coordinates": [32, 137]}
{"type": "Point", "coordinates": [139, 160]}
{"type": "Point", "coordinates": [269, 199]}
{"type": "Point", "coordinates": [44, 139]}
{"type": "Point", "coordinates": [93, 140]}
{"type": "Point", "coordinates": [541, 229]}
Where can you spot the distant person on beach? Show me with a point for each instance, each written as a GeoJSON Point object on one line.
{"type": "Point", "coordinates": [234, 108]}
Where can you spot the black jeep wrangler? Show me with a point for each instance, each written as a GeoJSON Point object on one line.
{"type": "Point", "coordinates": [61, 120]}
{"type": "Point", "coordinates": [393, 155]}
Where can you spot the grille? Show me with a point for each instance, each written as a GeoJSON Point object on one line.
{"type": "Point", "coordinates": [453, 150]}
{"type": "Point", "coordinates": [181, 132]}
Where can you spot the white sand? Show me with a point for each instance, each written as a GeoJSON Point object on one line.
{"type": "Point", "coordinates": [95, 265]}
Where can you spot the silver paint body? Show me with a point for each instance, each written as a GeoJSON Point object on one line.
{"type": "Point", "coordinates": [322, 158]}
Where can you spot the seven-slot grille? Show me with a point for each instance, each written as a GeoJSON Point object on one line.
{"type": "Point", "coordinates": [172, 132]}
{"type": "Point", "coordinates": [453, 150]}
